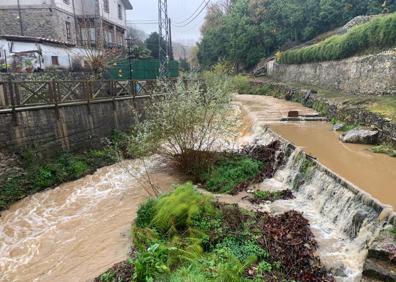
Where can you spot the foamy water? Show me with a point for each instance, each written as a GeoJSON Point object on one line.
{"type": "Point", "coordinates": [77, 230]}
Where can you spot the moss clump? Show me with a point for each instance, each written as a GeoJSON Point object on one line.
{"type": "Point", "coordinates": [262, 196]}
{"type": "Point", "coordinates": [230, 172]}
{"type": "Point", "coordinates": [387, 149]}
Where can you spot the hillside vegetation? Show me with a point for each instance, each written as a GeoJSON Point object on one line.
{"type": "Point", "coordinates": [379, 33]}
{"type": "Point", "coordinates": [241, 32]}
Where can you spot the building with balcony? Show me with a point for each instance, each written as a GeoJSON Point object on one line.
{"type": "Point", "coordinates": [88, 23]}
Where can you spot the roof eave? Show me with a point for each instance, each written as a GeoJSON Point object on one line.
{"type": "Point", "coordinates": [127, 5]}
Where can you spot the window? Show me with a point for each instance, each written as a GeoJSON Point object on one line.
{"type": "Point", "coordinates": [68, 30]}
{"type": "Point", "coordinates": [66, 2]}
{"type": "Point", "coordinates": [54, 60]}
{"type": "Point", "coordinates": [119, 11]}
{"type": "Point", "coordinates": [106, 7]}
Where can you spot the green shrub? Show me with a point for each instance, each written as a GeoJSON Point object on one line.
{"type": "Point", "coordinates": [145, 213]}
{"type": "Point", "coordinates": [101, 157]}
{"type": "Point", "coordinates": [267, 196]}
{"type": "Point", "coordinates": [242, 248]}
{"type": "Point", "coordinates": [379, 33]}
{"type": "Point", "coordinates": [219, 265]}
{"type": "Point", "coordinates": [108, 276]}
{"type": "Point", "coordinates": [242, 84]}
{"type": "Point", "coordinates": [152, 262]}
{"type": "Point", "coordinates": [228, 173]}
{"type": "Point", "coordinates": [174, 213]}
{"type": "Point", "coordinates": [264, 267]}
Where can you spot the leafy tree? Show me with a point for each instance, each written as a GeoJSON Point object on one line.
{"type": "Point", "coordinates": [152, 44]}
{"type": "Point", "coordinates": [243, 31]}
{"type": "Point", "coordinates": [184, 65]}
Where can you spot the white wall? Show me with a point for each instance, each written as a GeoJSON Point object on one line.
{"type": "Point", "coordinates": [62, 5]}
{"type": "Point", "coordinates": [65, 55]}
{"type": "Point", "coordinates": [113, 14]}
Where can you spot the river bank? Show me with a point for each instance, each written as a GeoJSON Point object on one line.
{"type": "Point", "coordinates": [372, 111]}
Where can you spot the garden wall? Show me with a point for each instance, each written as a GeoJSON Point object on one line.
{"type": "Point", "coordinates": [365, 75]}
{"type": "Point", "coordinates": [73, 127]}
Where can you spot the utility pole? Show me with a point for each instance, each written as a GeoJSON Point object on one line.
{"type": "Point", "coordinates": [20, 18]}
{"type": "Point", "coordinates": [163, 31]}
{"type": "Point", "coordinates": [170, 41]}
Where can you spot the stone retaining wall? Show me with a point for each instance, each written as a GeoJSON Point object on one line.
{"type": "Point", "coordinates": [74, 127]}
{"type": "Point", "coordinates": [369, 75]}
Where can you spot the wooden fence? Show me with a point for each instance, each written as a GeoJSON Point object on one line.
{"type": "Point", "coordinates": [16, 94]}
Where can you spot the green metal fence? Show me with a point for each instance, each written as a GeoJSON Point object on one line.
{"type": "Point", "coordinates": [140, 69]}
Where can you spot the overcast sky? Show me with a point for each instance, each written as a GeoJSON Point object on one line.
{"type": "Point", "coordinates": [178, 11]}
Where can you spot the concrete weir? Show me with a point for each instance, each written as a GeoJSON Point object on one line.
{"type": "Point", "coordinates": [352, 227]}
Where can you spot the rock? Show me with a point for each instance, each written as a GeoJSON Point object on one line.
{"type": "Point", "coordinates": [357, 221]}
{"type": "Point", "coordinates": [381, 270]}
{"type": "Point", "coordinates": [338, 126]}
{"type": "Point", "coordinates": [292, 114]}
{"type": "Point", "coordinates": [384, 247]}
{"type": "Point", "coordinates": [310, 94]}
{"type": "Point", "coordinates": [339, 271]}
{"type": "Point", "coordinates": [360, 136]}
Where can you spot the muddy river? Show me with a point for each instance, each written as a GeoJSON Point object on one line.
{"type": "Point", "coordinates": [79, 229]}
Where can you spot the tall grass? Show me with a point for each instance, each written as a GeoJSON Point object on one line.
{"type": "Point", "coordinates": [379, 33]}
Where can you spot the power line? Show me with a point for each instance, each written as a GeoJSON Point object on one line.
{"type": "Point", "coordinates": [196, 16]}
{"type": "Point", "coordinates": [182, 22]}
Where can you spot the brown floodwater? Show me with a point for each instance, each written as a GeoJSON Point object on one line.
{"type": "Point", "coordinates": [79, 229]}
{"type": "Point", "coordinates": [374, 173]}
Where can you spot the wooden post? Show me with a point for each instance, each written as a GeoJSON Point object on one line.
{"type": "Point", "coordinates": [112, 94]}
{"type": "Point", "coordinates": [89, 96]}
{"type": "Point", "coordinates": [55, 94]}
{"type": "Point", "coordinates": [12, 98]}
{"type": "Point", "coordinates": [133, 91]}
{"type": "Point", "coordinates": [16, 93]}
{"type": "Point", "coordinates": [3, 95]}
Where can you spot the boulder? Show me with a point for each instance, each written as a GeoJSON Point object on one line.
{"type": "Point", "coordinates": [338, 126]}
{"type": "Point", "coordinates": [380, 270]}
{"type": "Point", "coordinates": [360, 136]}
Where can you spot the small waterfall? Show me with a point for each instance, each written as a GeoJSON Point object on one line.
{"type": "Point", "coordinates": [344, 219]}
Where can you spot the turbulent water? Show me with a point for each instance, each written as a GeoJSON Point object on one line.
{"type": "Point", "coordinates": [343, 224]}
{"type": "Point", "coordinates": [77, 230]}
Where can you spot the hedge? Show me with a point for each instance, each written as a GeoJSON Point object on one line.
{"type": "Point", "coordinates": [379, 33]}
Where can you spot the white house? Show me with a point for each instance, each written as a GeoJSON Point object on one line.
{"type": "Point", "coordinates": [25, 54]}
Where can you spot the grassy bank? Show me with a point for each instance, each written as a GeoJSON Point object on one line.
{"type": "Point", "coordinates": [41, 173]}
{"type": "Point", "coordinates": [377, 34]}
{"type": "Point", "coordinates": [232, 172]}
{"type": "Point", "coordinates": [185, 236]}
